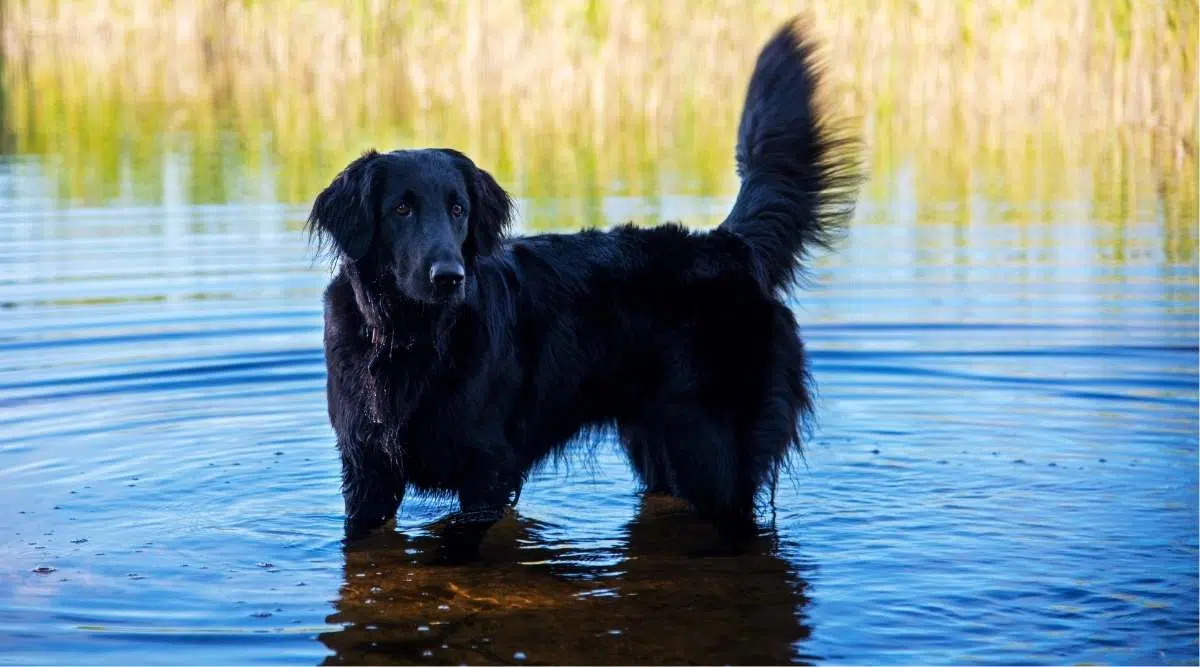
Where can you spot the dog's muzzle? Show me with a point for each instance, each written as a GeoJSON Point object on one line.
{"type": "Point", "coordinates": [446, 277]}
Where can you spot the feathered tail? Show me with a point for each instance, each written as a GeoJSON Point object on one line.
{"type": "Point", "coordinates": [799, 173]}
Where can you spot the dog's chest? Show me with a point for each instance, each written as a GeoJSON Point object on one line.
{"type": "Point", "coordinates": [395, 374]}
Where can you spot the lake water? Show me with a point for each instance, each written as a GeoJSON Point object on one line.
{"type": "Point", "coordinates": [1004, 471]}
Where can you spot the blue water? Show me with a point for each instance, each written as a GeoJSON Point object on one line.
{"type": "Point", "coordinates": [1004, 470]}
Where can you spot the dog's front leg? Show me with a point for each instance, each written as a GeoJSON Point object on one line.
{"type": "Point", "coordinates": [482, 499]}
{"type": "Point", "coordinates": [372, 488]}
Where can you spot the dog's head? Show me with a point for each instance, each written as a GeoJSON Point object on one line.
{"type": "Point", "coordinates": [417, 220]}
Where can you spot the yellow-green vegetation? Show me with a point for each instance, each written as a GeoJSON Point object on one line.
{"type": "Point", "coordinates": [1027, 100]}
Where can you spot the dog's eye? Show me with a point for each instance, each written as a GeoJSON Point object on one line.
{"type": "Point", "coordinates": [403, 210]}
{"type": "Point", "coordinates": [456, 211]}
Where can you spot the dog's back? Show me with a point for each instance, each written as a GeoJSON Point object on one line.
{"type": "Point", "coordinates": [696, 359]}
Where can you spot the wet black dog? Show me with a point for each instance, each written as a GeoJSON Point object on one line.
{"type": "Point", "coordinates": [459, 359]}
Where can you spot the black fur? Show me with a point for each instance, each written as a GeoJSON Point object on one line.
{"type": "Point", "coordinates": [678, 339]}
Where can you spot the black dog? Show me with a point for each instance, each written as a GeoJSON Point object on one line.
{"type": "Point", "coordinates": [459, 359]}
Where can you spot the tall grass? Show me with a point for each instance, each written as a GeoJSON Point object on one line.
{"type": "Point", "coordinates": [1035, 97]}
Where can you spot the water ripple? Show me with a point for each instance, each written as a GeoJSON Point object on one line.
{"type": "Point", "coordinates": [1003, 470]}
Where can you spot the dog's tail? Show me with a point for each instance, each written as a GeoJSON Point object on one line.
{"type": "Point", "coordinates": [799, 173]}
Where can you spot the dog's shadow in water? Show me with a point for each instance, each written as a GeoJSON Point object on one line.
{"type": "Point", "coordinates": [531, 600]}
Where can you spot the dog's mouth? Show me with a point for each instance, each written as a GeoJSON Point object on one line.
{"type": "Point", "coordinates": [443, 293]}
{"type": "Point", "coordinates": [419, 290]}
{"type": "Point", "coordinates": [448, 296]}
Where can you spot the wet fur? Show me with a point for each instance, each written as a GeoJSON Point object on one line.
{"type": "Point", "coordinates": [679, 339]}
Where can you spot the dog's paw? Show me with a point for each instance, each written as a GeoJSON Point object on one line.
{"type": "Point", "coordinates": [462, 536]}
{"type": "Point", "coordinates": [358, 529]}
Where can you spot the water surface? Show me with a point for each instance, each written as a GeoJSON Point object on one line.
{"type": "Point", "coordinates": [1004, 470]}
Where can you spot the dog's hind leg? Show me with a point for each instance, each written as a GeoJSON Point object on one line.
{"type": "Point", "coordinates": [701, 456]}
{"type": "Point", "coordinates": [648, 459]}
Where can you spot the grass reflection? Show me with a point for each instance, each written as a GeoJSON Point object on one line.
{"type": "Point", "coordinates": [1041, 110]}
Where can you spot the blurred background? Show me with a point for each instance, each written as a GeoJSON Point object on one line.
{"type": "Point", "coordinates": [1005, 344]}
{"type": "Point", "coordinates": [1080, 100]}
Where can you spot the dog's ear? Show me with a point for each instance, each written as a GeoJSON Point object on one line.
{"type": "Point", "coordinates": [345, 212]}
{"type": "Point", "coordinates": [491, 213]}
{"type": "Point", "coordinates": [491, 208]}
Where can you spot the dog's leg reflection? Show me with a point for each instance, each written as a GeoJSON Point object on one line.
{"type": "Point", "coordinates": [483, 500]}
{"type": "Point", "coordinates": [463, 534]}
{"type": "Point", "coordinates": [674, 608]}
{"type": "Point", "coordinates": [636, 597]}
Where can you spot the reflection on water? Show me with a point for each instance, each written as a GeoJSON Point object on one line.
{"type": "Point", "coordinates": [1004, 469]}
{"type": "Point", "coordinates": [641, 600]}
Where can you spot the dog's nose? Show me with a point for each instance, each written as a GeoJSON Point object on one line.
{"type": "Point", "coordinates": [447, 275]}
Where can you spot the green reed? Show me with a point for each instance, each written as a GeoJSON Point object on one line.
{"type": "Point", "coordinates": [1025, 100]}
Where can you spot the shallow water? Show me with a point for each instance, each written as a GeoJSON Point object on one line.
{"type": "Point", "coordinates": [1005, 468]}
